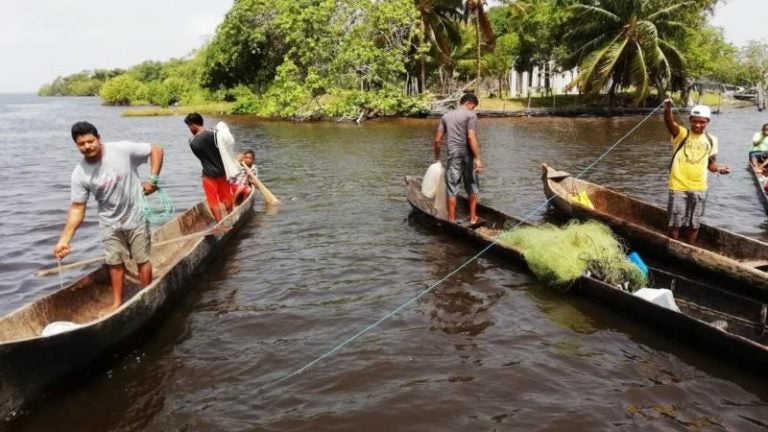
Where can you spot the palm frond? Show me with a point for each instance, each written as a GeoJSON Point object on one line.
{"type": "Point", "coordinates": [612, 56]}
{"type": "Point", "coordinates": [639, 75]}
{"type": "Point", "coordinates": [669, 10]}
{"type": "Point", "coordinates": [596, 12]}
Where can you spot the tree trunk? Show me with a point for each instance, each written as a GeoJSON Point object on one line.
{"type": "Point", "coordinates": [477, 35]}
{"type": "Point", "coordinates": [660, 90]}
{"type": "Point", "coordinates": [423, 76]}
{"type": "Point", "coordinates": [611, 93]}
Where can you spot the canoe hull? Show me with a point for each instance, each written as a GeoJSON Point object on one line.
{"type": "Point", "coordinates": [34, 366]}
{"type": "Point", "coordinates": [744, 352]}
{"type": "Point", "coordinates": [761, 181]}
{"type": "Point", "coordinates": [722, 255]}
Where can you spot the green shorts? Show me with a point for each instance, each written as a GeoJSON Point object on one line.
{"type": "Point", "coordinates": [122, 245]}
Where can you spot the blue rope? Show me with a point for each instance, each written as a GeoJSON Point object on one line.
{"type": "Point", "coordinates": [449, 275]}
{"type": "Point", "coordinates": [159, 210]}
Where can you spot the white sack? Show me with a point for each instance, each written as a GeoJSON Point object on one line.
{"type": "Point", "coordinates": [432, 178]}
{"type": "Point", "coordinates": [226, 143]}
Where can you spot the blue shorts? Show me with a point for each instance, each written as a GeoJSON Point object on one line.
{"type": "Point", "coordinates": [758, 156]}
{"type": "Point", "coordinates": [458, 169]}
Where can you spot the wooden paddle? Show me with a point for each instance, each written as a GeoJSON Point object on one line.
{"type": "Point", "coordinates": [52, 270]}
{"type": "Point", "coordinates": [269, 198]}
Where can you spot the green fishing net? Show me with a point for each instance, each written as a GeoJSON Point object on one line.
{"type": "Point", "coordinates": [559, 255]}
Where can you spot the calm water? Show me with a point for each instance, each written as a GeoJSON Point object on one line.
{"type": "Point", "coordinates": [489, 349]}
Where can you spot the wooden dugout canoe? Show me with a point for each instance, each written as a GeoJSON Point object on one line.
{"type": "Point", "coordinates": [742, 341]}
{"type": "Point", "coordinates": [761, 181]}
{"type": "Point", "coordinates": [31, 365]}
{"type": "Point", "coordinates": [739, 260]}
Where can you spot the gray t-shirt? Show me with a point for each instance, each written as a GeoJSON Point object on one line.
{"type": "Point", "coordinates": [114, 182]}
{"type": "Point", "coordinates": [455, 125]}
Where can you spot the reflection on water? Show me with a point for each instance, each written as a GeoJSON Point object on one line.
{"type": "Point", "coordinates": [488, 349]}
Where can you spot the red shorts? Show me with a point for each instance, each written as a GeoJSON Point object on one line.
{"type": "Point", "coordinates": [235, 187]}
{"type": "Point", "coordinates": [217, 190]}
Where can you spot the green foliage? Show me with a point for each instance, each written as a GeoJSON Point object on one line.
{"type": "Point", "coordinates": [167, 92]}
{"type": "Point", "coordinates": [498, 63]}
{"type": "Point", "coordinates": [147, 71]}
{"type": "Point", "coordinates": [326, 46]}
{"type": "Point", "coordinates": [247, 47]}
{"type": "Point", "coordinates": [84, 83]}
{"type": "Point", "coordinates": [440, 23]}
{"type": "Point", "coordinates": [389, 101]}
{"type": "Point", "coordinates": [539, 26]}
{"type": "Point", "coordinates": [158, 94]}
{"type": "Point", "coordinates": [246, 105]}
{"type": "Point", "coordinates": [709, 56]}
{"type": "Point", "coordinates": [622, 44]}
{"type": "Point", "coordinates": [286, 96]}
{"type": "Point", "coordinates": [198, 96]}
{"type": "Point", "coordinates": [754, 58]}
{"type": "Point", "coordinates": [292, 57]}
{"type": "Point", "coordinates": [122, 90]}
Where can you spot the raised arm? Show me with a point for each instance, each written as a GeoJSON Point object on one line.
{"type": "Point", "coordinates": [672, 125]}
{"type": "Point", "coordinates": [75, 217]}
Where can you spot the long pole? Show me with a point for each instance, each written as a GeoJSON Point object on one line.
{"type": "Point", "coordinates": [269, 198]}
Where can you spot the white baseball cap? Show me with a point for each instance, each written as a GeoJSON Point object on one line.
{"type": "Point", "coordinates": [701, 111]}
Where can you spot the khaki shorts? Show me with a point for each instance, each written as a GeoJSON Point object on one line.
{"type": "Point", "coordinates": [122, 245]}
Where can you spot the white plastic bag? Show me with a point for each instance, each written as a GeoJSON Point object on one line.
{"type": "Point", "coordinates": [57, 327]}
{"type": "Point", "coordinates": [226, 142]}
{"type": "Point", "coordinates": [660, 296]}
{"type": "Point", "coordinates": [432, 178]}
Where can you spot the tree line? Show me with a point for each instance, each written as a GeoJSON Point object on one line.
{"type": "Point", "coordinates": [285, 58]}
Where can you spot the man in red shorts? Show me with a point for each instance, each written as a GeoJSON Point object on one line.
{"type": "Point", "coordinates": [215, 183]}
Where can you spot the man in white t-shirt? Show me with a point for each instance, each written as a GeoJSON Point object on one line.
{"type": "Point", "coordinates": [109, 172]}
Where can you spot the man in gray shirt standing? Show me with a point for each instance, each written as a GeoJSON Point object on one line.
{"type": "Point", "coordinates": [109, 172]}
{"type": "Point", "coordinates": [458, 127]}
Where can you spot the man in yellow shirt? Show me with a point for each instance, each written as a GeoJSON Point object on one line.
{"type": "Point", "coordinates": [695, 152]}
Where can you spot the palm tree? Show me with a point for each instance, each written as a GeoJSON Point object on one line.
{"type": "Point", "coordinates": [623, 45]}
{"type": "Point", "coordinates": [482, 25]}
{"type": "Point", "coordinates": [440, 29]}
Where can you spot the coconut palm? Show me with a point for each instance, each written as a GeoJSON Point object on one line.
{"type": "Point", "coordinates": [440, 28]}
{"type": "Point", "coordinates": [623, 45]}
{"type": "Point", "coordinates": [483, 26]}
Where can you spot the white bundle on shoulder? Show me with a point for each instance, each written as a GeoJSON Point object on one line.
{"type": "Point", "coordinates": [226, 143]}
{"type": "Point", "coordinates": [432, 178]}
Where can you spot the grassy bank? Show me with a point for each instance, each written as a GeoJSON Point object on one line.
{"type": "Point", "coordinates": [486, 104]}
{"type": "Point", "coordinates": [599, 101]}
{"type": "Point", "coordinates": [213, 108]}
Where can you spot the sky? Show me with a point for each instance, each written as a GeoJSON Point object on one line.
{"type": "Point", "coordinates": [43, 39]}
{"type": "Point", "coordinates": [742, 20]}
